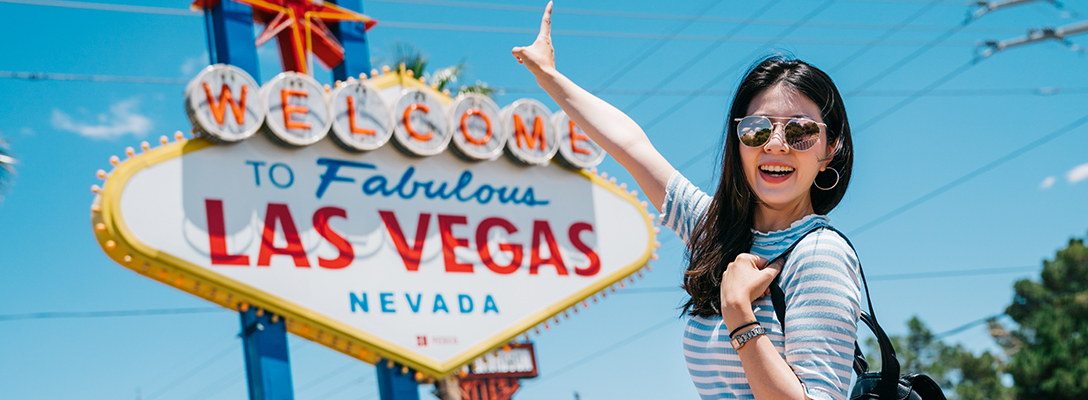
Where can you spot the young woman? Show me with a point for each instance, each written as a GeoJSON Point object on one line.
{"type": "Point", "coordinates": [786, 164]}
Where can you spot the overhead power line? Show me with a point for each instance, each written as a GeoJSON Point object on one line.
{"type": "Point", "coordinates": [47, 76]}
{"type": "Point", "coordinates": [503, 7]}
{"type": "Point", "coordinates": [620, 72]}
{"type": "Point", "coordinates": [231, 349]}
{"type": "Point", "coordinates": [101, 314]}
{"type": "Point", "coordinates": [106, 7]}
{"type": "Point", "coordinates": [967, 326]}
{"type": "Point", "coordinates": [1039, 91]}
{"type": "Point", "coordinates": [715, 80]}
{"type": "Point", "coordinates": [887, 33]}
{"type": "Point", "coordinates": [697, 58]}
{"type": "Point", "coordinates": [613, 347]}
{"type": "Point", "coordinates": [970, 175]}
{"type": "Point", "coordinates": [878, 278]}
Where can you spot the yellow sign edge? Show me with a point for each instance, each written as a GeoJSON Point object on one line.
{"type": "Point", "coordinates": [121, 246]}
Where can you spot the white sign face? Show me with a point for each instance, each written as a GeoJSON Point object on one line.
{"type": "Point", "coordinates": [532, 137]}
{"type": "Point", "coordinates": [297, 112]}
{"type": "Point", "coordinates": [431, 261]}
{"type": "Point", "coordinates": [224, 102]}
{"type": "Point", "coordinates": [362, 120]}
{"type": "Point", "coordinates": [422, 123]}
{"type": "Point", "coordinates": [575, 147]}
{"type": "Point", "coordinates": [477, 131]}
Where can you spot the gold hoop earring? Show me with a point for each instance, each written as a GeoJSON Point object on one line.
{"type": "Point", "coordinates": [833, 184]}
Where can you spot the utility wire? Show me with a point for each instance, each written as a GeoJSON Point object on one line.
{"type": "Point", "coordinates": [713, 81]}
{"type": "Point", "coordinates": [101, 314]}
{"type": "Point", "coordinates": [233, 347]}
{"type": "Point", "coordinates": [35, 76]}
{"type": "Point", "coordinates": [876, 278]}
{"type": "Point", "coordinates": [504, 7]}
{"type": "Point", "coordinates": [339, 370]}
{"type": "Point", "coordinates": [966, 326]}
{"type": "Point", "coordinates": [970, 175]}
{"type": "Point", "coordinates": [895, 66]}
{"type": "Point", "coordinates": [915, 96]}
{"type": "Point", "coordinates": [888, 33]}
{"type": "Point", "coordinates": [1040, 91]}
{"type": "Point", "coordinates": [343, 387]}
{"type": "Point", "coordinates": [655, 47]}
{"type": "Point", "coordinates": [106, 7]}
{"type": "Point", "coordinates": [698, 57]}
{"type": "Point", "coordinates": [608, 349]}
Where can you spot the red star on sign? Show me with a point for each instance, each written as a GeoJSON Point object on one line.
{"type": "Point", "coordinates": [300, 28]}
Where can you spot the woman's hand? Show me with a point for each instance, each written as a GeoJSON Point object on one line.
{"type": "Point", "coordinates": [746, 279]}
{"type": "Point", "coordinates": [539, 57]}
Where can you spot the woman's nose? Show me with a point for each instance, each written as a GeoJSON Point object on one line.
{"type": "Point", "coordinates": [777, 142]}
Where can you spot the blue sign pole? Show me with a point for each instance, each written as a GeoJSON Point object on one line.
{"type": "Point", "coordinates": [230, 36]}
{"type": "Point", "coordinates": [352, 35]}
{"type": "Point", "coordinates": [394, 385]}
{"type": "Point", "coordinates": [268, 369]}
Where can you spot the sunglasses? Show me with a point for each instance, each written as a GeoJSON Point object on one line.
{"type": "Point", "coordinates": [800, 133]}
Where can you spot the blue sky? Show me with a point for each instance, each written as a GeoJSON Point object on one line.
{"type": "Point", "coordinates": [1026, 202]}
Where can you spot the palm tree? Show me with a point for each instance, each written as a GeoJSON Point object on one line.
{"type": "Point", "coordinates": [414, 60]}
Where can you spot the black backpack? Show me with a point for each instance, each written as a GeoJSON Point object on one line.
{"type": "Point", "coordinates": [885, 384]}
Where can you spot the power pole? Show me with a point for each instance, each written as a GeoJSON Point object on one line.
{"type": "Point", "coordinates": [1061, 34]}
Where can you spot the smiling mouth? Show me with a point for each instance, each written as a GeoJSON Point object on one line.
{"type": "Point", "coordinates": [776, 170]}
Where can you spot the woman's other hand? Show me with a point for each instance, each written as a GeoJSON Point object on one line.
{"type": "Point", "coordinates": [746, 279]}
{"type": "Point", "coordinates": [540, 56]}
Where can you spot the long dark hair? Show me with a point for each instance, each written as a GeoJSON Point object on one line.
{"type": "Point", "coordinates": [725, 230]}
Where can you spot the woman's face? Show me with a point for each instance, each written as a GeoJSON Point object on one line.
{"type": "Point", "coordinates": [781, 176]}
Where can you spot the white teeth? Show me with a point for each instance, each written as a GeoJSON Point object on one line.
{"type": "Point", "coordinates": [776, 168]}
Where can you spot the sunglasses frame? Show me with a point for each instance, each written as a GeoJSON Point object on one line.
{"type": "Point", "coordinates": [823, 129]}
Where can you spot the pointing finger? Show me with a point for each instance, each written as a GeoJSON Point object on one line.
{"type": "Point", "coordinates": [546, 23]}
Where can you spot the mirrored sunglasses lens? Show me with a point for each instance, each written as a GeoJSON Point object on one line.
{"type": "Point", "coordinates": [754, 131]}
{"type": "Point", "coordinates": [801, 134]}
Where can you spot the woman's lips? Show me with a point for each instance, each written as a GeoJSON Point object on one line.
{"type": "Point", "coordinates": [777, 178]}
{"type": "Point", "coordinates": [775, 173]}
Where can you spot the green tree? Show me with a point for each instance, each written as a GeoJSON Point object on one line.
{"type": "Point", "coordinates": [1051, 360]}
{"type": "Point", "coordinates": [956, 369]}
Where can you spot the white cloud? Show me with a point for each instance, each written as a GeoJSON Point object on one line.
{"type": "Point", "coordinates": [1047, 182]}
{"type": "Point", "coordinates": [1077, 174]}
{"type": "Point", "coordinates": [192, 64]}
{"type": "Point", "coordinates": [27, 131]}
{"type": "Point", "coordinates": [123, 119]}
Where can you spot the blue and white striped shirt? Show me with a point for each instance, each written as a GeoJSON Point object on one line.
{"type": "Point", "coordinates": [820, 280]}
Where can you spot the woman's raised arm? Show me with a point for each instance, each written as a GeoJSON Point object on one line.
{"type": "Point", "coordinates": [613, 130]}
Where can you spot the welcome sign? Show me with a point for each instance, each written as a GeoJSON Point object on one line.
{"type": "Point", "coordinates": [429, 251]}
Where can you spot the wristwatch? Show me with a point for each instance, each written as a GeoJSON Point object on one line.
{"type": "Point", "coordinates": [743, 338]}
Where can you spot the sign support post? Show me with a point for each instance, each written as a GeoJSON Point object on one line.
{"type": "Point", "coordinates": [268, 370]}
{"type": "Point", "coordinates": [230, 36]}
{"type": "Point", "coordinates": [395, 385]}
{"type": "Point", "coordinates": [352, 36]}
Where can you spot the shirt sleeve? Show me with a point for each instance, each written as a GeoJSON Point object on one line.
{"type": "Point", "coordinates": [823, 306]}
{"type": "Point", "coordinates": [684, 205]}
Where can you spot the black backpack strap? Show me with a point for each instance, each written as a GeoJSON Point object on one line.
{"type": "Point", "coordinates": [778, 297]}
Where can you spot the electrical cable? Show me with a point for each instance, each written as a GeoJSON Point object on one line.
{"type": "Point", "coordinates": [888, 33]}
{"type": "Point", "coordinates": [655, 47]}
{"type": "Point", "coordinates": [915, 96]}
{"type": "Point", "coordinates": [698, 57]}
{"type": "Point", "coordinates": [105, 7]}
{"type": "Point", "coordinates": [34, 76]}
{"type": "Point", "coordinates": [970, 175]}
{"type": "Point", "coordinates": [343, 387]}
{"type": "Point", "coordinates": [876, 278]}
{"type": "Point", "coordinates": [214, 358]}
{"type": "Point", "coordinates": [504, 7]}
{"type": "Point", "coordinates": [895, 66]}
{"type": "Point", "coordinates": [714, 81]}
{"type": "Point", "coordinates": [966, 326]}
{"type": "Point", "coordinates": [609, 349]}
{"type": "Point", "coordinates": [101, 314]}
{"type": "Point", "coordinates": [675, 17]}
{"type": "Point", "coordinates": [313, 383]}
